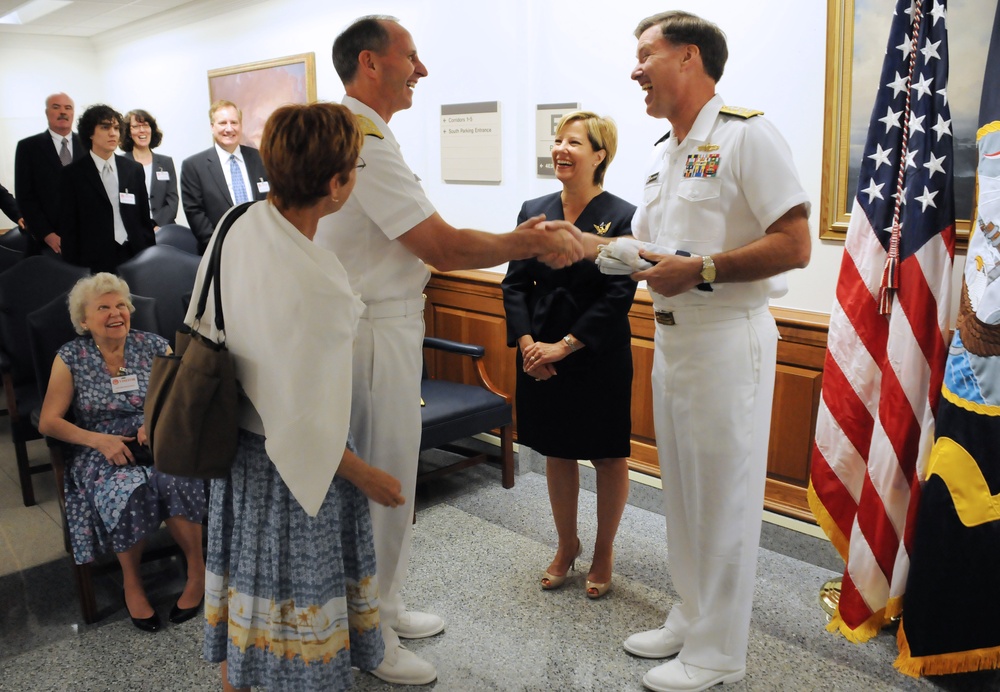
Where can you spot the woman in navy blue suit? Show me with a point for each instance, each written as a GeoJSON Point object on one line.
{"type": "Point", "coordinates": [574, 380]}
{"type": "Point", "coordinates": [139, 137]}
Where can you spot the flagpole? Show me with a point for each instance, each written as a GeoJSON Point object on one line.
{"type": "Point", "coordinates": [829, 597]}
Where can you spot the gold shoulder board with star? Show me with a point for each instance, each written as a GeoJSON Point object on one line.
{"type": "Point", "coordinates": [368, 127]}
{"type": "Point", "coordinates": [602, 228]}
{"type": "Point", "coordinates": [740, 112]}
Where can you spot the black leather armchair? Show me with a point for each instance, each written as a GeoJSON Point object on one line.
{"type": "Point", "coordinates": [9, 257]}
{"type": "Point", "coordinates": [178, 236]}
{"type": "Point", "coordinates": [452, 411]}
{"type": "Point", "coordinates": [28, 285]}
{"type": "Point", "coordinates": [167, 275]}
{"type": "Point", "coordinates": [15, 239]}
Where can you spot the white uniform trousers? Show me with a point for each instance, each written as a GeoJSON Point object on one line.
{"type": "Point", "coordinates": [385, 424]}
{"type": "Point", "coordinates": [713, 383]}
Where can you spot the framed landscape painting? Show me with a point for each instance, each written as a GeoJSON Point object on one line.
{"type": "Point", "coordinates": [857, 33]}
{"type": "Point", "coordinates": [258, 88]}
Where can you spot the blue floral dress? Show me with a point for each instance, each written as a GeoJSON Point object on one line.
{"type": "Point", "coordinates": [291, 601]}
{"type": "Point", "coordinates": [108, 507]}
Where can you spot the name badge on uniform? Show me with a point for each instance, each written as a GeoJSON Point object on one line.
{"type": "Point", "coordinates": [163, 175]}
{"type": "Point", "coordinates": [701, 166]}
{"type": "Point", "coordinates": [126, 197]}
{"type": "Point", "coordinates": [124, 383]}
{"type": "Point", "coordinates": [263, 186]}
{"type": "Point", "coordinates": [653, 178]}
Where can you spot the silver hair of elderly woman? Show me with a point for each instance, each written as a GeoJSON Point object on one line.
{"type": "Point", "coordinates": [90, 287]}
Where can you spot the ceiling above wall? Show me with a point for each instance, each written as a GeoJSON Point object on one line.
{"type": "Point", "coordinates": [87, 17]}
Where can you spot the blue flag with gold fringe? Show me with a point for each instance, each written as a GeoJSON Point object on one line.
{"type": "Point", "coordinates": [951, 614]}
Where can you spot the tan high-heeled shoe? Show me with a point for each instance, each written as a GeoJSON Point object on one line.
{"type": "Point", "coordinates": [553, 581]}
{"type": "Point", "coordinates": [597, 589]}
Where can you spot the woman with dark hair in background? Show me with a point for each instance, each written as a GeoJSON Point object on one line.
{"type": "Point", "coordinates": [140, 136]}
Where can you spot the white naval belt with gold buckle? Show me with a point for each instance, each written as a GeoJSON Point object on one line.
{"type": "Point", "coordinates": [704, 315]}
{"type": "Point", "coordinates": [393, 308]}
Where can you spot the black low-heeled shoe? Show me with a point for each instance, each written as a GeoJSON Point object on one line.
{"type": "Point", "coordinates": [150, 624]}
{"type": "Point", "coordinates": [179, 615]}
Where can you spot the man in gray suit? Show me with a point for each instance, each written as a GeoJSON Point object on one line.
{"type": "Point", "coordinates": [37, 164]}
{"type": "Point", "coordinates": [222, 176]}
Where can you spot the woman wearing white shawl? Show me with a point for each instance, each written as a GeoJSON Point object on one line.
{"type": "Point", "coordinates": [291, 598]}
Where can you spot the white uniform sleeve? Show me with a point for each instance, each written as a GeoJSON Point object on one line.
{"type": "Point", "coordinates": [767, 174]}
{"type": "Point", "coordinates": [391, 196]}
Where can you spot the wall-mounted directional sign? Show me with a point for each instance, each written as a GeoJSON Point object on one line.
{"type": "Point", "coordinates": [470, 143]}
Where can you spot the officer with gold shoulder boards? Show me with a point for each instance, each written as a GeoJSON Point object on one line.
{"type": "Point", "coordinates": [723, 187]}
{"type": "Point", "coordinates": [383, 235]}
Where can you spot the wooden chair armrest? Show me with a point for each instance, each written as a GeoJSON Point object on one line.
{"type": "Point", "coordinates": [474, 351]}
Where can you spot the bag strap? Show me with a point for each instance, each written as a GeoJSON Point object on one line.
{"type": "Point", "coordinates": [214, 271]}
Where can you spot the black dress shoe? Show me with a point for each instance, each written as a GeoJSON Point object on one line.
{"type": "Point", "coordinates": [179, 615]}
{"type": "Point", "coordinates": [150, 624]}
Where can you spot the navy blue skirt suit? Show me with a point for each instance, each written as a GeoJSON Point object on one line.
{"type": "Point", "coordinates": [584, 411]}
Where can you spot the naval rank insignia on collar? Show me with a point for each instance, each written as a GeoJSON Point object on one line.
{"type": "Point", "coordinates": [740, 112]}
{"type": "Point", "coordinates": [368, 127]}
{"type": "Point", "coordinates": [602, 228]}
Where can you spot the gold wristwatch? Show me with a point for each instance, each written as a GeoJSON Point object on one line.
{"type": "Point", "coordinates": [707, 269]}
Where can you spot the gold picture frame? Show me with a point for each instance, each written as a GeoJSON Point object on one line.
{"type": "Point", "coordinates": [258, 88]}
{"type": "Point", "coordinates": [845, 125]}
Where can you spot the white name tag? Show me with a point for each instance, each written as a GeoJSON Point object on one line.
{"type": "Point", "coordinates": [124, 383]}
{"type": "Point", "coordinates": [263, 186]}
{"type": "Point", "coordinates": [163, 175]}
{"type": "Point", "coordinates": [126, 198]}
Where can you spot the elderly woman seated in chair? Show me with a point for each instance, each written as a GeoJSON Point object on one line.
{"type": "Point", "coordinates": [113, 501]}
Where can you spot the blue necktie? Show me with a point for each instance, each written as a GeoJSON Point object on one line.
{"type": "Point", "coordinates": [239, 189]}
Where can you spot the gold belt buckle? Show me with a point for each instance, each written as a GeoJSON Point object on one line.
{"type": "Point", "coordinates": [666, 318]}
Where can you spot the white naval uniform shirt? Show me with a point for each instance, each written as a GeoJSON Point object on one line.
{"type": "Point", "coordinates": [749, 186]}
{"type": "Point", "coordinates": [387, 202]}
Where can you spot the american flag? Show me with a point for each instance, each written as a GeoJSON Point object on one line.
{"type": "Point", "coordinates": [887, 339]}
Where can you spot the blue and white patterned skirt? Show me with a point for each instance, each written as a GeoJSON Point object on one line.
{"type": "Point", "coordinates": [291, 601]}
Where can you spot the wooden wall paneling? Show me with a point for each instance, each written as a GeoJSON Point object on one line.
{"type": "Point", "coordinates": [468, 306]}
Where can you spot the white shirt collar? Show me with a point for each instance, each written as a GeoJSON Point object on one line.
{"type": "Point", "coordinates": [224, 155]}
{"type": "Point", "coordinates": [58, 138]}
{"type": "Point", "coordinates": [99, 162]}
{"type": "Point", "coordinates": [701, 129]}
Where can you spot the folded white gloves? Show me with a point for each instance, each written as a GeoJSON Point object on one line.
{"type": "Point", "coordinates": [622, 257]}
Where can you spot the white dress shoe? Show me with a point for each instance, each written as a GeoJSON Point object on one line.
{"type": "Point", "coordinates": [674, 676]}
{"type": "Point", "coordinates": [403, 667]}
{"type": "Point", "coordinates": [658, 643]}
{"type": "Point", "coordinates": [413, 624]}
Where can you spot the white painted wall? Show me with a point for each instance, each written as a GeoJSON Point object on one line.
{"type": "Point", "coordinates": [31, 68]}
{"type": "Point", "coordinates": [519, 52]}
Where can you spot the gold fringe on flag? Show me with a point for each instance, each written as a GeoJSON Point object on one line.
{"type": "Point", "coordinates": [943, 664]}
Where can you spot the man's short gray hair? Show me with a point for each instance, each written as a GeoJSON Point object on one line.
{"type": "Point", "coordinates": [365, 33]}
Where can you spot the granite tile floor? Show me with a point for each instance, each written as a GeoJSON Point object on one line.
{"type": "Point", "coordinates": [478, 553]}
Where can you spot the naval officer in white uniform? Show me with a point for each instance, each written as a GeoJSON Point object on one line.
{"type": "Point", "coordinates": [723, 187]}
{"type": "Point", "coordinates": [383, 235]}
